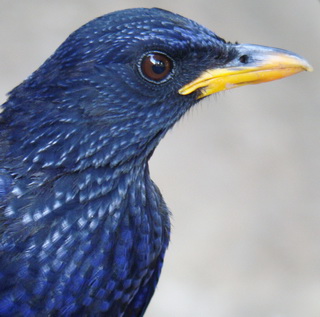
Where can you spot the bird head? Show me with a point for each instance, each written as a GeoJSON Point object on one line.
{"type": "Point", "coordinates": [130, 75]}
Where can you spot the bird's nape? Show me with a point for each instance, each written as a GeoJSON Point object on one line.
{"type": "Point", "coordinates": [83, 229]}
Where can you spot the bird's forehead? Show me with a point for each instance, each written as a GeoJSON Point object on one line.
{"type": "Point", "coordinates": [154, 24]}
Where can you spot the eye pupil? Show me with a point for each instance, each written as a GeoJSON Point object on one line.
{"type": "Point", "coordinates": [159, 67]}
{"type": "Point", "coordinates": [156, 67]}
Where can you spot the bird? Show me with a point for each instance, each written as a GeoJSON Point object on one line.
{"type": "Point", "coordinates": [83, 228]}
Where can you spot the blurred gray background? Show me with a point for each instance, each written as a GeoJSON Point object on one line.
{"type": "Point", "coordinates": [240, 172]}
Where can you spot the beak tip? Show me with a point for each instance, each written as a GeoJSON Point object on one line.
{"type": "Point", "coordinates": [304, 64]}
{"type": "Point", "coordinates": [308, 67]}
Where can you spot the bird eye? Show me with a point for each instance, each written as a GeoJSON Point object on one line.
{"type": "Point", "coordinates": [156, 67]}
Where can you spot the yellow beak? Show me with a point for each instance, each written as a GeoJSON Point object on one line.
{"type": "Point", "coordinates": [255, 64]}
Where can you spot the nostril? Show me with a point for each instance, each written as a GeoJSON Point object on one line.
{"type": "Point", "coordinates": [244, 59]}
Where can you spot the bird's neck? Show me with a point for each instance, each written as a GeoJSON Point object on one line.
{"type": "Point", "coordinates": [81, 174]}
{"type": "Point", "coordinates": [73, 145]}
{"type": "Point", "coordinates": [92, 205]}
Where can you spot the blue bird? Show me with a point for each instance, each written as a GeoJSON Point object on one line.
{"type": "Point", "coordinates": [83, 229]}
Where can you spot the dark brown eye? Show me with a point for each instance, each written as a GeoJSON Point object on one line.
{"type": "Point", "coordinates": [156, 67]}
